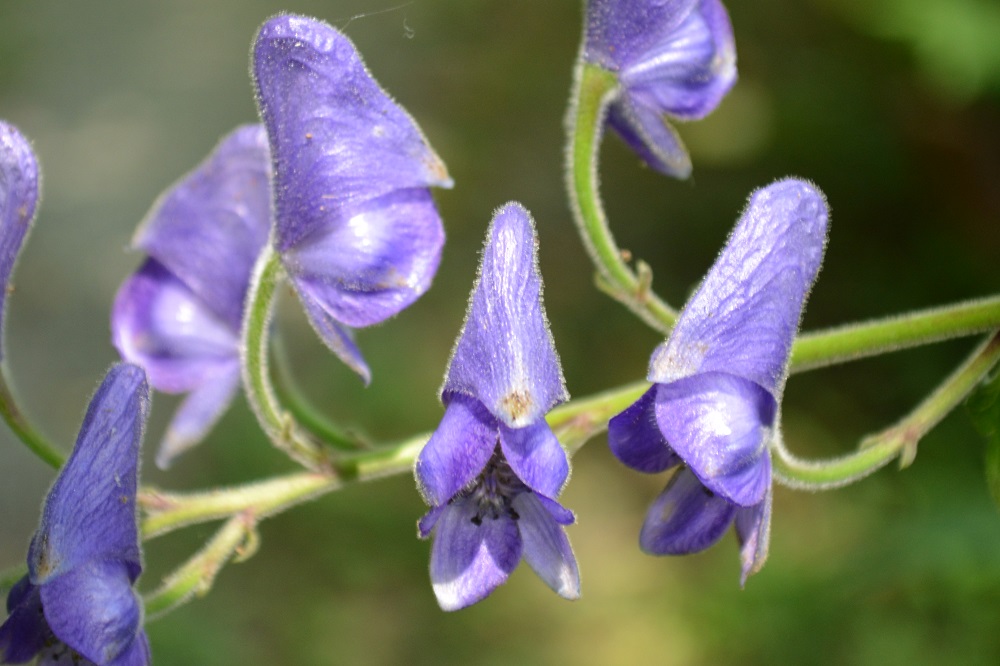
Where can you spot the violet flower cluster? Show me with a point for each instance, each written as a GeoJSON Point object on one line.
{"type": "Point", "coordinates": [674, 59]}
{"type": "Point", "coordinates": [714, 405]}
{"type": "Point", "coordinates": [77, 605]}
{"type": "Point", "coordinates": [493, 468]}
{"type": "Point", "coordinates": [346, 172]}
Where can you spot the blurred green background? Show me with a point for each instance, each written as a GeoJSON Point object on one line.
{"type": "Point", "coordinates": [891, 106]}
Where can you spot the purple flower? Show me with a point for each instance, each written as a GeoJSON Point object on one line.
{"type": "Point", "coordinates": [77, 605]}
{"type": "Point", "coordinates": [493, 467]}
{"type": "Point", "coordinates": [356, 227]}
{"type": "Point", "coordinates": [714, 405]}
{"type": "Point", "coordinates": [18, 196]}
{"type": "Point", "coordinates": [674, 59]}
{"type": "Point", "coordinates": [179, 315]}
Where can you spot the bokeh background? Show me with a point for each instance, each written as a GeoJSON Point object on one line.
{"type": "Point", "coordinates": [891, 106]}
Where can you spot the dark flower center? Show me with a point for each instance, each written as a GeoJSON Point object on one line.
{"type": "Point", "coordinates": [493, 490]}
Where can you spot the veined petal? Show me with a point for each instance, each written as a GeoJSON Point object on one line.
{"type": "Point", "coordinates": [687, 71]}
{"type": "Point", "coordinates": [210, 226]}
{"type": "Point", "coordinates": [470, 559]}
{"type": "Point", "coordinates": [18, 196]}
{"type": "Point", "coordinates": [686, 518]}
{"type": "Point", "coordinates": [370, 260]}
{"type": "Point", "coordinates": [535, 455]}
{"type": "Point", "coordinates": [457, 452]}
{"type": "Point", "coordinates": [336, 136]}
{"type": "Point", "coordinates": [635, 438]}
{"type": "Point", "coordinates": [720, 425]}
{"type": "Point", "coordinates": [93, 609]}
{"type": "Point", "coordinates": [505, 355]}
{"type": "Point", "coordinates": [199, 412]}
{"type": "Point", "coordinates": [743, 317]}
{"type": "Point", "coordinates": [335, 336]}
{"type": "Point", "coordinates": [546, 548]}
{"type": "Point", "coordinates": [160, 324]}
{"type": "Point", "coordinates": [620, 32]}
{"type": "Point", "coordinates": [648, 133]}
{"type": "Point", "coordinates": [90, 512]}
{"type": "Point", "coordinates": [25, 631]}
{"type": "Point", "coordinates": [753, 529]}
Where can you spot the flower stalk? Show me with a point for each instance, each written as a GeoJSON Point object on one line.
{"type": "Point", "coordinates": [278, 424]}
{"type": "Point", "coordinates": [594, 89]}
{"type": "Point", "coordinates": [236, 540]}
{"type": "Point", "coordinates": [898, 441]}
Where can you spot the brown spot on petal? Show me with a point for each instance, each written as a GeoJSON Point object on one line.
{"type": "Point", "coordinates": [516, 403]}
{"type": "Point", "coordinates": [44, 563]}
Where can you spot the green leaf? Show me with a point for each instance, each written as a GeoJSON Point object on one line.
{"type": "Point", "coordinates": [983, 407]}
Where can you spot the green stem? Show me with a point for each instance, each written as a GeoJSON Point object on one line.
{"type": "Point", "coordinates": [899, 440]}
{"type": "Point", "coordinates": [290, 395]}
{"type": "Point", "coordinates": [855, 341]}
{"type": "Point", "coordinates": [22, 427]}
{"type": "Point", "coordinates": [574, 423]}
{"type": "Point", "coordinates": [594, 89]}
{"type": "Point", "coordinates": [237, 538]}
{"type": "Point", "coordinates": [277, 424]}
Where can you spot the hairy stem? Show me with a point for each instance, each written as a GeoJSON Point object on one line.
{"type": "Point", "coordinates": [856, 341]}
{"type": "Point", "coordinates": [22, 427]}
{"type": "Point", "coordinates": [898, 441]}
{"type": "Point", "coordinates": [594, 88]}
{"type": "Point", "coordinates": [237, 539]}
{"type": "Point", "coordinates": [277, 424]}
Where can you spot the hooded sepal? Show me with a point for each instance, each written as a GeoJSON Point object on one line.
{"type": "Point", "coordinates": [336, 136]}
{"type": "Point", "coordinates": [209, 228]}
{"type": "Point", "coordinates": [19, 185]}
{"type": "Point", "coordinates": [90, 512]}
{"type": "Point", "coordinates": [744, 316]}
{"type": "Point", "coordinates": [675, 59]}
{"type": "Point", "coordinates": [505, 355]}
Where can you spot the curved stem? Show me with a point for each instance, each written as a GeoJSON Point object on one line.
{"type": "Point", "coordinates": [276, 423]}
{"type": "Point", "coordinates": [855, 341]}
{"type": "Point", "coordinates": [574, 423]}
{"type": "Point", "coordinates": [289, 394]}
{"type": "Point", "coordinates": [899, 440]}
{"type": "Point", "coordinates": [22, 427]}
{"type": "Point", "coordinates": [595, 88]}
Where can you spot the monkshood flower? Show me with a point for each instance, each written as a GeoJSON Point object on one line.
{"type": "Point", "coordinates": [675, 59]}
{"type": "Point", "coordinates": [179, 315]}
{"type": "Point", "coordinates": [77, 605]}
{"type": "Point", "coordinates": [492, 469]}
{"type": "Point", "coordinates": [356, 227]}
{"type": "Point", "coordinates": [715, 402]}
{"type": "Point", "coordinates": [18, 196]}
